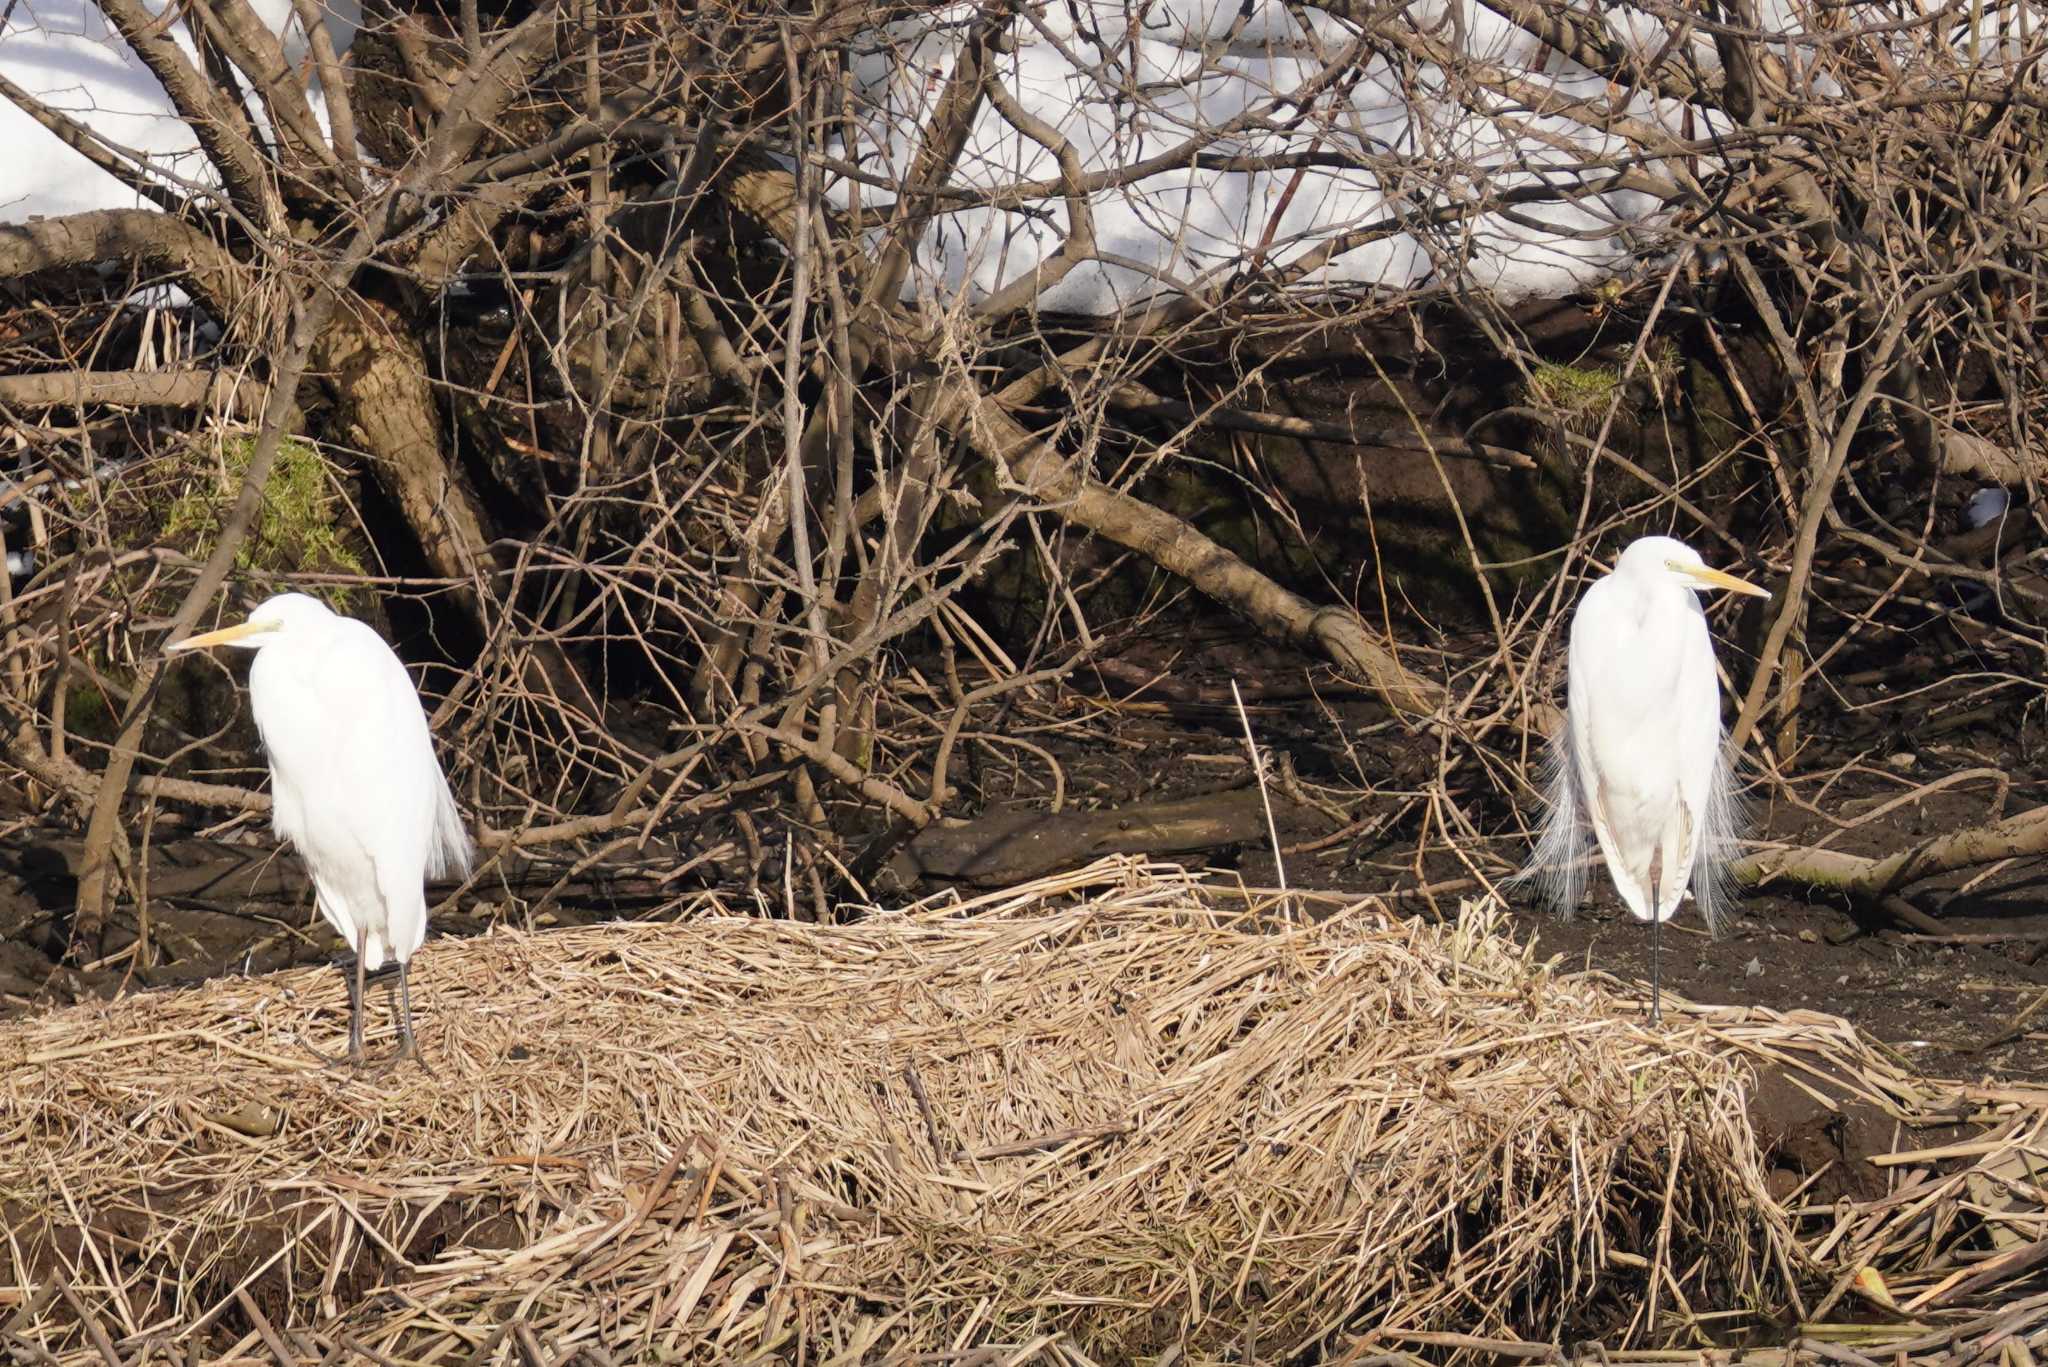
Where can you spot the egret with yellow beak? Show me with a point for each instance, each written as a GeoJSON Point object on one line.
{"type": "Point", "coordinates": [354, 785]}
{"type": "Point", "coordinates": [1642, 758]}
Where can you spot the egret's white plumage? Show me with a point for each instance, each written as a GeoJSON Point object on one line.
{"type": "Point", "coordinates": [1641, 760]}
{"type": "Point", "coordinates": [355, 786]}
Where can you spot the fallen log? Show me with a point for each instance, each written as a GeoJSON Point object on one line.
{"type": "Point", "coordinates": [1011, 845]}
{"type": "Point", "coordinates": [214, 872]}
{"type": "Point", "coordinates": [1878, 880]}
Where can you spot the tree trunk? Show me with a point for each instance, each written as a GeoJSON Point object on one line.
{"type": "Point", "coordinates": [376, 374]}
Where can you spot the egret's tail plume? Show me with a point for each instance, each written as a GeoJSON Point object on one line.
{"type": "Point", "coordinates": [448, 852]}
{"type": "Point", "coordinates": [1557, 866]}
{"type": "Point", "coordinates": [1712, 886]}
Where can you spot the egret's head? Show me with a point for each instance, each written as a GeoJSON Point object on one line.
{"type": "Point", "coordinates": [274, 618]}
{"type": "Point", "coordinates": [1668, 558]}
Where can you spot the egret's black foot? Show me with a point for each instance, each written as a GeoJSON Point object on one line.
{"type": "Point", "coordinates": [352, 1061]}
{"type": "Point", "coordinates": [407, 1049]}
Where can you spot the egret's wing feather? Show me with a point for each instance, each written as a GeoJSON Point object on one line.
{"type": "Point", "coordinates": [1609, 694]}
{"type": "Point", "coordinates": [1713, 886]}
{"type": "Point", "coordinates": [334, 910]}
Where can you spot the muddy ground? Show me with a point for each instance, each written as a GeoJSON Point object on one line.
{"type": "Point", "coordinates": [228, 902]}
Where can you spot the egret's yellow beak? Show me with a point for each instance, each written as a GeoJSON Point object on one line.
{"type": "Point", "coordinates": [237, 632]}
{"type": "Point", "coordinates": [1713, 578]}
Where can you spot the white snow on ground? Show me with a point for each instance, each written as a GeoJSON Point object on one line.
{"type": "Point", "coordinates": [1121, 81]}
{"type": "Point", "coordinates": [65, 53]}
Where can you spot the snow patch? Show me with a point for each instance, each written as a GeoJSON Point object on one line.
{"type": "Point", "coordinates": [67, 55]}
{"type": "Point", "coordinates": [1124, 81]}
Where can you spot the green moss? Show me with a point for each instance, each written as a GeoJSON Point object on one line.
{"type": "Point", "coordinates": [294, 529]}
{"type": "Point", "coordinates": [86, 713]}
{"type": "Point", "coordinates": [1662, 362]}
{"type": "Point", "coordinates": [1575, 389]}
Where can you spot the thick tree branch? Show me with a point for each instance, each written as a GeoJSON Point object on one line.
{"type": "Point", "coordinates": [1581, 36]}
{"type": "Point", "coordinates": [1039, 472]}
{"type": "Point", "coordinates": [142, 236]}
{"type": "Point", "coordinates": [234, 393]}
{"type": "Point", "coordinates": [62, 774]}
{"type": "Point", "coordinates": [223, 129]}
{"type": "Point", "coordinates": [252, 47]}
{"type": "Point", "coordinates": [334, 88]}
{"type": "Point", "coordinates": [945, 137]}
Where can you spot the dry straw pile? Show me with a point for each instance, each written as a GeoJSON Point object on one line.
{"type": "Point", "coordinates": [1114, 1116]}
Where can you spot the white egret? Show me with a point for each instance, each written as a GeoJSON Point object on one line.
{"type": "Point", "coordinates": [354, 783]}
{"type": "Point", "coordinates": [1641, 758]}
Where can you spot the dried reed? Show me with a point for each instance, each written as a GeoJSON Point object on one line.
{"type": "Point", "coordinates": [1113, 1114]}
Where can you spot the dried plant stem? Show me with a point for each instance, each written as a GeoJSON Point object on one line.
{"type": "Point", "coordinates": [1258, 760]}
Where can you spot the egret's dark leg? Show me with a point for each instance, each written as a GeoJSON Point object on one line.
{"type": "Point", "coordinates": [355, 1014]}
{"type": "Point", "coordinates": [1656, 936]}
{"type": "Point", "coordinates": [408, 1043]}
{"type": "Point", "coordinates": [354, 976]}
{"type": "Point", "coordinates": [1656, 971]}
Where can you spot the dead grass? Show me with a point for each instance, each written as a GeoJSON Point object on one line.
{"type": "Point", "coordinates": [1103, 1117]}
